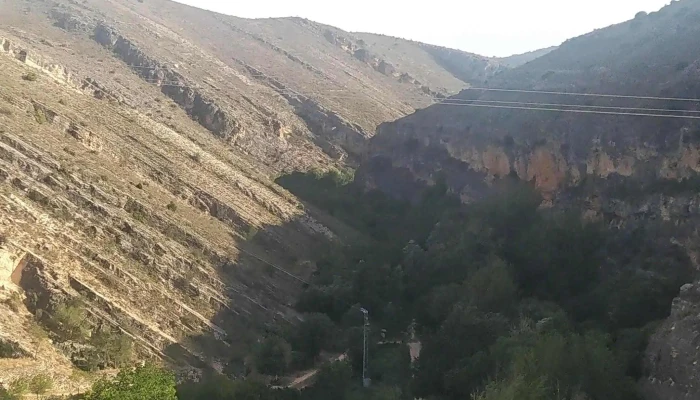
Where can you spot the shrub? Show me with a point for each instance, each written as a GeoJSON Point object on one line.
{"type": "Point", "coordinates": [10, 349]}
{"type": "Point", "coordinates": [682, 65]}
{"type": "Point", "coordinates": [40, 116]}
{"type": "Point", "coordinates": [30, 76]}
{"type": "Point", "coordinates": [272, 356]}
{"type": "Point", "coordinates": [172, 206]}
{"type": "Point", "coordinates": [148, 382]}
{"type": "Point", "coordinates": [14, 301]}
{"type": "Point", "coordinates": [314, 334]}
{"type": "Point", "coordinates": [114, 349]}
{"type": "Point", "coordinates": [40, 384]}
{"type": "Point", "coordinates": [252, 232]}
{"type": "Point", "coordinates": [17, 389]}
{"type": "Point", "coordinates": [70, 321]}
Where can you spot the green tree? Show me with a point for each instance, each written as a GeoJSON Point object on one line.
{"type": "Point", "coordinates": [464, 335]}
{"type": "Point", "coordinates": [116, 349]}
{"type": "Point", "coordinates": [492, 289]}
{"type": "Point", "coordinates": [70, 319]}
{"type": "Point", "coordinates": [315, 333]}
{"type": "Point", "coordinates": [147, 382]}
{"type": "Point", "coordinates": [517, 388]}
{"type": "Point", "coordinates": [16, 390]}
{"type": "Point", "coordinates": [272, 355]}
{"type": "Point", "coordinates": [333, 381]}
{"type": "Point", "coordinates": [222, 388]}
{"type": "Point", "coordinates": [40, 384]}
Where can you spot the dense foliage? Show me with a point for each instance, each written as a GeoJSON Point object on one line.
{"type": "Point", "coordinates": [509, 300]}
{"type": "Point", "coordinates": [142, 383]}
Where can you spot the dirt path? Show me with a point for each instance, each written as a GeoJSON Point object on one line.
{"type": "Point", "coordinates": [303, 380]}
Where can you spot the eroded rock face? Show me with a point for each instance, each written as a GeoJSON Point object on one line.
{"type": "Point", "coordinates": [174, 85]}
{"type": "Point", "coordinates": [355, 47]}
{"type": "Point", "coordinates": [673, 352]}
{"type": "Point", "coordinates": [626, 171]}
{"type": "Point", "coordinates": [151, 230]}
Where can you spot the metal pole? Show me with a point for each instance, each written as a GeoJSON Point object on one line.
{"type": "Point", "coordinates": [365, 350]}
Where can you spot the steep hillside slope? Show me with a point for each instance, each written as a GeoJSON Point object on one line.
{"type": "Point", "coordinates": [517, 60]}
{"type": "Point", "coordinates": [139, 141]}
{"type": "Point", "coordinates": [470, 131]}
{"type": "Point", "coordinates": [162, 234]}
{"type": "Point", "coordinates": [277, 88]}
{"type": "Point", "coordinates": [630, 171]}
{"type": "Point", "coordinates": [447, 68]}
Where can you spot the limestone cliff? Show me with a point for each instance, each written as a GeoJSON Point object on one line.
{"type": "Point", "coordinates": [628, 171]}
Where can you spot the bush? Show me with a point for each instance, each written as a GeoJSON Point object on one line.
{"type": "Point", "coordinates": [10, 349]}
{"type": "Point", "coordinates": [272, 356]}
{"type": "Point", "coordinates": [40, 116]}
{"type": "Point", "coordinates": [148, 382]}
{"type": "Point", "coordinates": [682, 65]}
{"type": "Point", "coordinates": [17, 389]}
{"type": "Point", "coordinates": [115, 349]}
{"type": "Point", "coordinates": [251, 233]}
{"type": "Point", "coordinates": [492, 288]}
{"type": "Point", "coordinates": [172, 206]}
{"type": "Point", "coordinates": [30, 76]}
{"type": "Point", "coordinates": [70, 320]}
{"type": "Point", "coordinates": [14, 301]}
{"type": "Point", "coordinates": [314, 334]}
{"type": "Point", "coordinates": [40, 384]}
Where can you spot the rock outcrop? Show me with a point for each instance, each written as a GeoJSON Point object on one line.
{"type": "Point", "coordinates": [672, 356]}
{"type": "Point", "coordinates": [278, 97]}
{"type": "Point", "coordinates": [196, 104]}
{"type": "Point", "coordinates": [628, 171]}
{"type": "Point", "coordinates": [151, 229]}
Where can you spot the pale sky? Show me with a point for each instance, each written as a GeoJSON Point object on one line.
{"type": "Point", "coordinates": [486, 27]}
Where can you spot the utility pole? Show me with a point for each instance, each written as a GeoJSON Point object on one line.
{"type": "Point", "coordinates": [365, 343]}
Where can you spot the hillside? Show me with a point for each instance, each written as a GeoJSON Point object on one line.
{"type": "Point", "coordinates": [139, 145]}
{"type": "Point", "coordinates": [225, 196]}
{"type": "Point", "coordinates": [634, 173]}
{"type": "Point", "coordinates": [450, 69]}
{"type": "Point", "coordinates": [276, 88]}
{"type": "Point", "coordinates": [517, 60]}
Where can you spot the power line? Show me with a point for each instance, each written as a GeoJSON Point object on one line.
{"type": "Point", "coordinates": [468, 101]}
{"type": "Point", "coordinates": [274, 266]}
{"type": "Point", "coordinates": [290, 91]}
{"type": "Point", "coordinates": [571, 111]}
{"type": "Point", "coordinates": [454, 101]}
{"type": "Point", "coordinates": [584, 94]}
{"type": "Point", "coordinates": [548, 92]}
{"type": "Point", "coordinates": [541, 106]}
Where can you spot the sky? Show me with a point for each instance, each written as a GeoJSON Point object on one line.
{"type": "Point", "coordinates": [487, 27]}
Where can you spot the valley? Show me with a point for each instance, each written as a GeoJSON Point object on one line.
{"type": "Point", "coordinates": [206, 203]}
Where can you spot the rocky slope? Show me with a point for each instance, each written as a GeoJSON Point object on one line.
{"type": "Point", "coordinates": [164, 235]}
{"type": "Point", "coordinates": [517, 60]}
{"type": "Point", "coordinates": [276, 88]}
{"type": "Point", "coordinates": [139, 141]}
{"type": "Point", "coordinates": [631, 171]}
{"type": "Point", "coordinates": [447, 68]}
